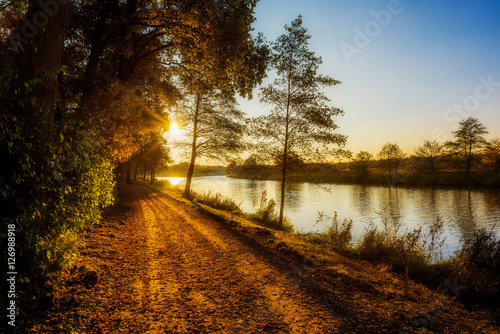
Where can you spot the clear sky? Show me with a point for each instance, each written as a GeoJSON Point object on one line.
{"type": "Point", "coordinates": [410, 69]}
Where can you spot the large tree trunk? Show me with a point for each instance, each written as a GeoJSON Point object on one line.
{"type": "Point", "coordinates": [187, 189]}
{"type": "Point", "coordinates": [95, 52]}
{"type": "Point", "coordinates": [42, 37]}
{"type": "Point", "coordinates": [39, 67]}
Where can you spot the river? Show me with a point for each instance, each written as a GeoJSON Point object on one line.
{"type": "Point", "coordinates": [461, 210]}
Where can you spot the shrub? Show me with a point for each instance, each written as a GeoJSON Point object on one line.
{"type": "Point", "coordinates": [217, 201]}
{"type": "Point", "coordinates": [338, 233]}
{"type": "Point", "coordinates": [418, 250]}
{"type": "Point", "coordinates": [267, 216]}
{"type": "Point", "coordinates": [478, 267]}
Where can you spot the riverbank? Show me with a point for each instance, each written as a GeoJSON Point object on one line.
{"type": "Point", "coordinates": [341, 174]}
{"type": "Point", "coordinates": [159, 263]}
{"type": "Point", "coordinates": [475, 260]}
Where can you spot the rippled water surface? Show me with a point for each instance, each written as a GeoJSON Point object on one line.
{"type": "Point", "coordinates": [461, 210]}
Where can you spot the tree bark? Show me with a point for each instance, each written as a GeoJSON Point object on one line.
{"type": "Point", "coordinates": [39, 67]}
{"type": "Point", "coordinates": [187, 189]}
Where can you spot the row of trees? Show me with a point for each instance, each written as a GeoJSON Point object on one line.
{"type": "Point", "coordinates": [468, 150]}
{"type": "Point", "coordinates": [86, 89]}
{"type": "Point", "coordinates": [149, 159]}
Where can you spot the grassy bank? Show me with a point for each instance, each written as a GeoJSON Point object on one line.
{"type": "Point", "coordinates": [265, 215]}
{"type": "Point", "coordinates": [475, 266]}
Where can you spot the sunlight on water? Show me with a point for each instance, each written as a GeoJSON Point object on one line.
{"type": "Point", "coordinates": [173, 180]}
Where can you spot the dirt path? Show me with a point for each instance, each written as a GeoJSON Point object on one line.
{"type": "Point", "coordinates": [191, 276]}
{"type": "Point", "coordinates": [164, 267]}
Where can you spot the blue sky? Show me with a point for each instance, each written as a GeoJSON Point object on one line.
{"type": "Point", "coordinates": [410, 69]}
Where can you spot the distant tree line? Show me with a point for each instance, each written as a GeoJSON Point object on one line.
{"type": "Point", "coordinates": [468, 159]}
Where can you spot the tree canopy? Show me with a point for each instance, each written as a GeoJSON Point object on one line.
{"type": "Point", "coordinates": [392, 155]}
{"type": "Point", "coordinates": [469, 138]}
{"type": "Point", "coordinates": [301, 124]}
{"type": "Point", "coordinates": [86, 94]}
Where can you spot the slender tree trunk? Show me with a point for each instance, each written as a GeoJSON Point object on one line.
{"type": "Point", "coordinates": [285, 156]}
{"type": "Point", "coordinates": [282, 197]}
{"type": "Point", "coordinates": [135, 173]}
{"type": "Point", "coordinates": [187, 190]}
{"type": "Point", "coordinates": [128, 178]}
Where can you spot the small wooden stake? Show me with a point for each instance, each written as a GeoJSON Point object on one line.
{"type": "Point", "coordinates": [406, 282]}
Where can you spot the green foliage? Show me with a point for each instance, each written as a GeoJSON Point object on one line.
{"type": "Point", "coordinates": [51, 204]}
{"type": "Point", "coordinates": [301, 123]}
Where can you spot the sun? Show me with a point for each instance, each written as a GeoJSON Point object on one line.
{"type": "Point", "coordinates": [174, 128]}
{"type": "Point", "coordinates": [174, 132]}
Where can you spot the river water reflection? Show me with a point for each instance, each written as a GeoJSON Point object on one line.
{"type": "Point", "coordinates": [461, 210]}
